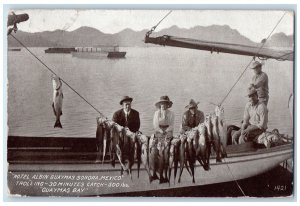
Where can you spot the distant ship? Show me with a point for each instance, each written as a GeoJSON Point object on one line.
{"type": "Point", "coordinates": [97, 52]}
{"type": "Point", "coordinates": [14, 49]}
{"type": "Point", "coordinates": [60, 50]}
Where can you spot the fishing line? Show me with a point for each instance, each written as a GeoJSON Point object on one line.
{"type": "Point", "coordinates": [264, 42]}
{"type": "Point", "coordinates": [56, 74]}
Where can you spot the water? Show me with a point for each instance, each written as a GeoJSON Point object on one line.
{"type": "Point", "coordinates": [145, 74]}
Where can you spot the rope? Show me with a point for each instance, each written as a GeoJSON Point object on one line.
{"type": "Point", "coordinates": [56, 75]}
{"type": "Point", "coordinates": [236, 182]}
{"type": "Point", "coordinates": [264, 42]}
{"type": "Point", "coordinates": [154, 27]}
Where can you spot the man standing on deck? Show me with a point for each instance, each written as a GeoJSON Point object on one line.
{"type": "Point", "coordinates": [127, 117]}
{"type": "Point", "coordinates": [260, 82]}
{"type": "Point", "coordinates": [255, 119]}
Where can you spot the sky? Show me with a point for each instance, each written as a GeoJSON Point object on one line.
{"type": "Point", "coordinates": [254, 24]}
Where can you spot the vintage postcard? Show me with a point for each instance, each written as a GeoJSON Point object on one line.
{"type": "Point", "coordinates": [151, 103]}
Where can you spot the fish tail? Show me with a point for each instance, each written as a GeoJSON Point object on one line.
{"type": "Point", "coordinates": [57, 124]}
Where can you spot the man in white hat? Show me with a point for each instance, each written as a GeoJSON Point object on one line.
{"type": "Point", "coordinates": [192, 117]}
{"type": "Point", "coordinates": [127, 117]}
{"type": "Point", "coordinates": [255, 119]}
{"type": "Point", "coordinates": [260, 82]}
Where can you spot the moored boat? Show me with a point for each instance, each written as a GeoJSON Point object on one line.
{"type": "Point", "coordinates": [14, 49]}
{"type": "Point", "coordinates": [60, 50]}
{"type": "Point", "coordinates": [98, 52]}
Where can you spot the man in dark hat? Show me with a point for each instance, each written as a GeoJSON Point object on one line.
{"type": "Point", "coordinates": [260, 82]}
{"type": "Point", "coordinates": [127, 117]}
{"type": "Point", "coordinates": [192, 117]}
{"type": "Point", "coordinates": [255, 119]}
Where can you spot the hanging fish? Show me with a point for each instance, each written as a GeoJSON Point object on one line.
{"type": "Point", "coordinates": [173, 157]}
{"type": "Point", "coordinates": [216, 138]}
{"type": "Point", "coordinates": [222, 128]}
{"type": "Point", "coordinates": [208, 125]}
{"type": "Point", "coordinates": [153, 157]}
{"type": "Point", "coordinates": [166, 155]}
{"type": "Point", "coordinates": [106, 141]}
{"type": "Point", "coordinates": [191, 154]}
{"type": "Point", "coordinates": [99, 140]}
{"type": "Point", "coordinates": [57, 100]}
{"type": "Point", "coordinates": [176, 143]}
{"type": "Point", "coordinates": [138, 155]}
{"type": "Point", "coordinates": [145, 154]}
{"type": "Point", "coordinates": [129, 148]}
{"type": "Point", "coordinates": [202, 152]}
{"type": "Point", "coordinates": [183, 150]}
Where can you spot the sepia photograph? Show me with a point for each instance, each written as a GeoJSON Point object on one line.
{"type": "Point", "coordinates": [150, 102]}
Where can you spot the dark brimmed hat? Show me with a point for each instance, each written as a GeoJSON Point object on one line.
{"type": "Point", "coordinates": [251, 90]}
{"type": "Point", "coordinates": [126, 98]}
{"type": "Point", "coordinates": [164, 99]}
{"type": "Point", "coordinates": [192, 104]}
{"type": "Point", "coordinates": [256, 64]}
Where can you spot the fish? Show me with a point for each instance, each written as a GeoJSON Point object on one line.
{"type": "Point", "coordinates": [208, 125]}
{"type": "Point", "coordinates": [173, 158]}
{"type": "Point", "coordinates": [57, 100]}
{"type": "Point", "coordinates": [191, 154]}
{"type": "Point", "coordinates": [138, 156]}
{"type": "Point", "coordinates": [153, 157]}
{"type": "Point", "coordinates": [216, 138]}
{"type": "Point", "coordinates": [222, 128]}
{"type": "Point", "coordinates": [144, 141]}
{"type": "Point", "coordinates": [99, 139]}
{"type": "Point", "coordinates": [125, 149]}
{"type": "Point", "coordinates": [106, 141]}
{"type": "Point", "coordinates": [183, 155]}
{"type": "Point", "coordinates": [166, 155]}
{"type": "Point", "coordinates": [202, 152]}
{"type": "Point", "coordinates": [176, 143]}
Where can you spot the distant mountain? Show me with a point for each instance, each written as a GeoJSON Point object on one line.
{"type": "Point", "coordinates": [281, 40]}
{"type": "Point", "coordinates": [215, 33]}
{"type": "Point", "coordinates": [87, 36]}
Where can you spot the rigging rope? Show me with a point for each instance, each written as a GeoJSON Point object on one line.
{"type": "Point", "coordinates": [154, 27]}
{"type": "Point", "coordinates": [264, 42]}
{"type": "Point", "coordinates": [55, 74]}
{"type": "Point", "coordinates": [236, 182]}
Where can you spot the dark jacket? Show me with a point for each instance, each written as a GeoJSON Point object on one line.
{"type": "Point", "coordinates": [190, 121]}
{"type": "Point", "coordinates": [133, 122]}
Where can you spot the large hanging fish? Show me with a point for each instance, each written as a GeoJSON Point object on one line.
{"type": "Point", "coordinates": [173, 157]}
{"type": "Point", "coordinates": [202, 152]}
{"type": "Point", "coordinates": [57, 100]}
{"type": "Point", "coordinates": [191, 153]}
{"type": "Point", "coordinates": [183, 154]}
{"type": "Point", "coordinates": [222, 128]}
{"type": "Point", "coordinates": [153, 157]}
{"type": "Point", "coordinates": [144, 141]}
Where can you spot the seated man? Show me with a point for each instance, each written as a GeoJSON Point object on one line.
{"type": "Point", "coordinates": [255, 119]}
{"type": "Point", "coordinates": [192, 117]}
{"type": "Point", "coordinates": [126, 116]}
